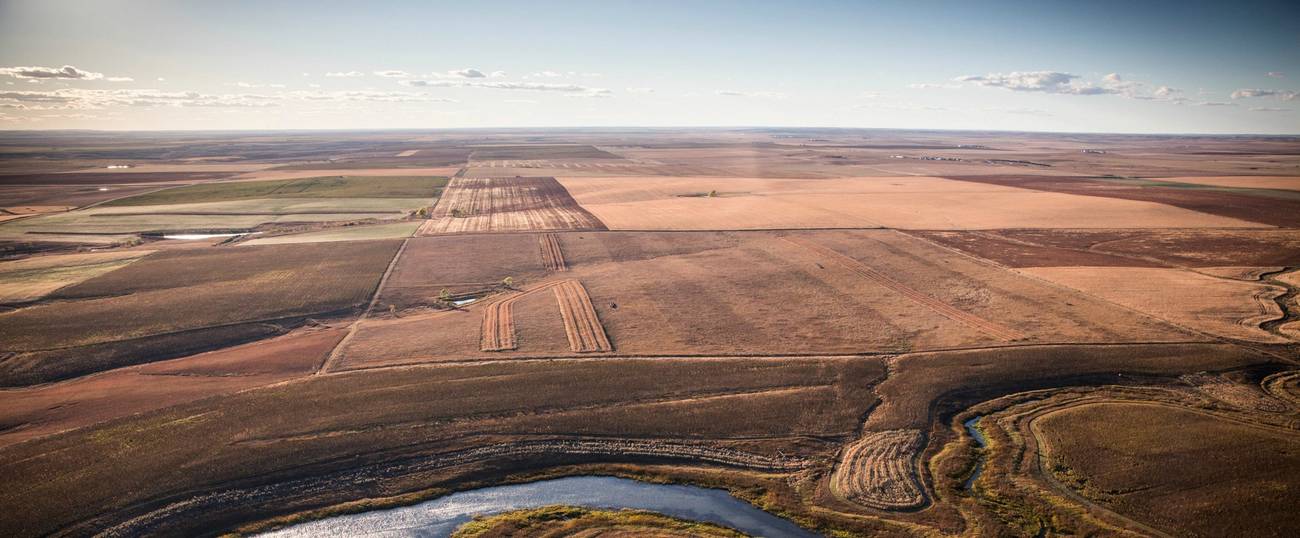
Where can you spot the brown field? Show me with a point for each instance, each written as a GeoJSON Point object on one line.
{"type": "Point", "coordinates": [109, 178]}
{"type": "Point", "coordinates": [133, 315]}
{"type": "Point", "coordinates": [36, 412]}
{"type": "Point", "coordinates": [727, 404]}
{"type": "Point", "coordinates": [32, 278]}
{"type": "Point", "coordinates": [805, 318]}
{"type": "Point", "coordinates": [1191, 248]}
{"type": "Point", "coordinates": [1291, 183]}
{"type": "Point", "coordinates": [281, 174]}
{"type": "Point", "coordinates": [1204, 303]}
{"type": "Point", "coordinates": [649, 203]}
{"type": "Point", "coordinates": [1236, 207]}
{"type": "Point", "coordinates": [505, 205]}
{"type": "Point", "coordinates": [706, 293]}
{"type": "Point", "coordinates": [1173, 468]}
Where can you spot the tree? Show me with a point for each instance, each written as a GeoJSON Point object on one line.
{"type": "Point", "coordinates": [713, 194]}
{"type": "Point", "coordinates": [392, 310]}
{"type": "Point", "coordinates": [444, 297]}
{"type": "Point", "coordinates": [508, 282]}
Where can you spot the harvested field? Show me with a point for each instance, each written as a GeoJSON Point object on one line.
{"type": "Point", "coordinates": [526, 152]}
{"type": "Point", "coordinates": [396, 230]}
{"type": "Point", "coordinates": [1191, 248]}
{"type": "Point", "coordinates": [1174, 468]}
{"type": "Point", "coordinates": [879, 471]}
{"type": "Point", "coordinates": [283, 173]}
{"type": "Point", "coordinates": [581, 324]}
{"type": "Point", "coordinates": [396, 429]}
{"type": "Point", "coordinates": [1013, 253]}
{"type": "Point", "coordinates": [657, 203]}
{"type": "Point", "coordinates": [552, 254]}
{"type": "Point", "coordinates": [350, 186]}
{"type": "Point", "coordinates": [37, 412]}
{"type": "Point", "coordinates": [109, 178]}
{"type": "Point", "coordinates": [507, 204]}
{"type": "Point", "coordinates": [70, 196]}
{"type": "Point", "coordinates": [1291, 183]}
{"type": "Point", "coordinates": [1218, 306]}
{"type": "Point", "coordinates": [946, 310]}
{"type": "Point", "coordinates": [710, 293]}
{"type": "Point", "coordinates": [1239, 209]}
{"type": "Point", "coordinates": [243, 291]}
{"type": "Point", "coordinates": [32, 278]}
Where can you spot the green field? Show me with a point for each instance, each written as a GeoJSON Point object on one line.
{"type": "Point", "coordinates": [315, 187]}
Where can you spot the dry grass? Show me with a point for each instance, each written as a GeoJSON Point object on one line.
{"type": "Point", "coordinates": [32, 278]}
{"type": "Point", "coordinates": [879, 471]}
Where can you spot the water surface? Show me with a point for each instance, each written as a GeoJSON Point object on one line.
{"type": "Point", "coordinates": [440, 517]}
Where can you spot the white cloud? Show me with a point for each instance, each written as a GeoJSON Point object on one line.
{"type": "Point", "coordinates": [160, 79]}
{"type": "Point", "coordinates": [369, 96]}
{"type": "Point", "coordinates": [77, 99]}
{"type": "Point", "coordinates": [571, 89]}
{"type": "Point", "coordinates": [1285, 95]}
{"type": "Point", "coordinates": [546, 74]}
{"type": "Point", "coordinates": [392, 73]}
{"type": "Point", "coordinates": [66, 72]}
{"type": "Point", "coordinates": [120, 79]}
{"type": "Point", "coordinates": [931, 86]}
{"type": "Point", "coordinates": [467, 73]}
{"type": "Point", "coordinates": [764, 94]}
{"type": "Point", "coordinates": [497, 74]}
{"type": "Point", "coordinates": [345, 74]}
{"type": "Point", "coordinates": [640, 90]}
{"type": "Point", "coordinates": [1275, 74]}
{"type": "Point", "coordinates": [1215, 103]}
{"type": "Point", "coordinates": [1269, 109]}
{"type": "Point", "coordinates": [521, 101]}
{"type": "Point", "coordinates": [1113, 78]}
{"type": "Point", "coordinates": [1034, 81]}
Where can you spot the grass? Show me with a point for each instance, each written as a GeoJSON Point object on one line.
{"type": "Point", "coordinates": [567, 520]}
{"type": "Point", "coordinates": [395, 230]}
{"type": "Point", "coordinates": [316, 187]}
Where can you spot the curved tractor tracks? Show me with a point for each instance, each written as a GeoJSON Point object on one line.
{"type": "Point", "coordinates": [581, 324]}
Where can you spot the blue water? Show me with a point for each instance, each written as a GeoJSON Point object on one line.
{"type": "Point", "coordinates": [441, 516]}
{"type": "Point", "coordinates": [982, 442]}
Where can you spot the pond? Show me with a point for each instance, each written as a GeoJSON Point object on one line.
{"type": "Point", "coordinates": [440, 517]}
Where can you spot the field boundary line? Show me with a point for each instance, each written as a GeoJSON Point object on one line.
{"type": "Point", "coordinates": [336, 353]}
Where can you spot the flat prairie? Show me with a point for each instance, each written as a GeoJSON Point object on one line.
{"type": "Point", "coordinates": [142, 307]}
{"type": "Point", "coordinates": [656, 203]}
{"type": "Point", "coordinates": [1176, 469]}
{"type": "Point", "coordinates": [32, 278]}
{"type": "Point", "coordinates": [1290, 183]}
{"type": "Point", "coordinates": [1219, 306]}
{"type": "Point", "coordinates": [708, 293]}
{"type": "Point", "coordinates": [1191, 248]}
{"type": "Point", "coordinates": [36, 412]}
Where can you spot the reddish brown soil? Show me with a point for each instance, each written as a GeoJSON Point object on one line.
{"type": "Point", "coordinates": [40, 411]}
{"type": "Point", "coordinates": [1191, 248]}
{"type": "Point", "coordinates": [1013, 253]}
{"type": "Point", "coordinates": [581, 324]}
{"type": "Point", "coordinates": [1273, 211]}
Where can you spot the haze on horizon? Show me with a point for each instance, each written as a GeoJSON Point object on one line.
{"type": "Point", "coordinates": [1141, 67]}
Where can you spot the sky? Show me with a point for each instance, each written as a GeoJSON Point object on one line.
{"type": "Point", "coordinates": [1128, 66]}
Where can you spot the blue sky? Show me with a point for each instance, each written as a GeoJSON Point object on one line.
{"type": "Point", "coordinates": [1094, 66]}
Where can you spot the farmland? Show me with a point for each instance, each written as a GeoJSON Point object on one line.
{"type": "Point", "coordinates": [815, 321]}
